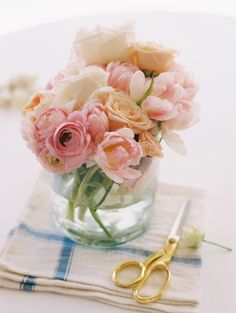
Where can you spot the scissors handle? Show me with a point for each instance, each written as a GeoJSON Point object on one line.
{"type": "Point", "coordinates": [121, 267]}
{"type": "Point", "coordinates": [142, 266]}
{"type": "Point", "coordinates": [158, 265]}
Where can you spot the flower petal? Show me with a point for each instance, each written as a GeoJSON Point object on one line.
{"type": "Point", "coordinates": [137, 85]}
{"type": "Point", "coordinates": [174, 141]}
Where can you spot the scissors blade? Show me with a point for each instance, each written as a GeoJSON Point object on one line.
{"type": "Point", "coordinates": [180, 219]}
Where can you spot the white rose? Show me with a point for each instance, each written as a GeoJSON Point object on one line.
{"type": "Point", "coordinates": [80, 87]}
{"type": "Point", "coordinates": [103, 45]}
{"type": "Point", "coordinates": [101, 95]}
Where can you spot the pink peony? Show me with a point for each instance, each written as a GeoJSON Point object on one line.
{"type": "Point", "coordinates": [175, 85]}
{"type": "Point", "coordinates": [116, 153]}
{"type": "Point", "coordinates": [187, 115]}
{"type": "Point", "coordinates": [159, 109]}
{"type": "Point", "coordinates": [121, 75]}
{"type": "Point", "coordinates": [97, 119]}
{"type": "Point", "coordinates": [171, 100]}
{"type": "Point", "coordinates": [70, 142]}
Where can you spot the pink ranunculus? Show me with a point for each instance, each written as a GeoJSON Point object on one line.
{"type": "Point", "coordinates": [70, 142]}
{"type": "Point", "coordinates": [50, 162]}
{"type": "Point", "coordinates": [159, 109]}
{"type": "Point", "coordinates": [97, 119]}
{"type": "Point", "coordinates": [48, 121]}
{"type": "Point", "coordinates": [28, 134]}
{"type": "Point", "coordinates": [116, 153]}
{"type": "Point", "coordinates": [121, 75]}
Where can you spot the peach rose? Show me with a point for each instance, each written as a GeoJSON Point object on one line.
{"type": "Point", "coordinates": [40, 101]}
{"type": "Point", "coordinates": [124, 112]}
{"type": "Point", "coordinates": [152, 57]}
{"type": "Point", "coordinates": [150, 144]}
{"type": "Point", "coordinates": [116, 153]}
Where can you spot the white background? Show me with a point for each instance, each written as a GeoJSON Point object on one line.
{"type": "Point", "coordinates": [20, 14]}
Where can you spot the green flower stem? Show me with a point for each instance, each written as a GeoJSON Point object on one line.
{"type": "Point", "coordinates": [98, 221]}
{"type": "Point", "coordinates": [148, 92]}
{"type": "Point", "coordinates": [104, 197]}
{"type": "Point", "coordinates": [70, 212]}
{"type": "Point", "coordinates": [82, 211]}
{"type": "Point", "coordinates": [79, 197]}
{"type": "Point", "coordinates": [82, 188]}
{"type": "Point", "coordinates": [217, 244]}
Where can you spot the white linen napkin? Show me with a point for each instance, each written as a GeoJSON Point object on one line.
{"type": "Point", "coordinates": [37, 257]}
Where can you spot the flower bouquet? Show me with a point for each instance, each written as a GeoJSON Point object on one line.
{"type": "Point", "coordinates": [99, 125]}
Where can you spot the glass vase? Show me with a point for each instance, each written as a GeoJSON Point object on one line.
{"type": "Point", "coordinates": [93, 210]}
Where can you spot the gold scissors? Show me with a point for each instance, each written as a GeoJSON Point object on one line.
{"type": "Point", "coordinates": [155, 262]}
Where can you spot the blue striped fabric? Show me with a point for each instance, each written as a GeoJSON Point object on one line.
{"type": "Point", "coordinates": [66, 254]}
{"type": "Point", "coordinates": [64, 261]}
{"type": "Point", "coordinates": [68, 247]}
{"type": "Point", "coordinates": [28, 283]}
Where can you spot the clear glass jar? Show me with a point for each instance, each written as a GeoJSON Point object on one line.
{"type": "Point", "coordinates": [91, 209]}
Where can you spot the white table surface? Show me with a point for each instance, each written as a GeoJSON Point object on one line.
{"type": "Point", "coordinates": [208, 47]}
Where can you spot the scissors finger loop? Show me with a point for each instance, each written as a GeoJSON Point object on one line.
{"type": "Point", "coordinates": [149, 299]}
{"type": "Point", "coordinates": [133, 282]}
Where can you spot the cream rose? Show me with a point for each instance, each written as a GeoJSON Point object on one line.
{"type": "Point", "coordinates": [103, 45]}
{"type": "Point", "coordinates": [124, 112]}
{"type": "Point", "coordinates": [80, 87]}
{"type": "Point", "coordinates": [152, 57]}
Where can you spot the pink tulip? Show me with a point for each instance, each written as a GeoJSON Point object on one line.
{"type": "Point", "coordinates": [97, 119]}
{"type": "Point", "coordinates": [159, 109]}
{"type": "Point", "coordinates": [116, 153]}
{"type": "Point", "coordinates": [121, 75]}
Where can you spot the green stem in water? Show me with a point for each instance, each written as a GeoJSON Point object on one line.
{"type": "Point", "coordinates": [83, 186]}
{"type": "Point", "coordinates": [148, 92]}
{"type": "Point", "coordinates": [70, 206]}
{"type": "Point", "coordinates": [98, 221]}
{"type": "Point", "coordinates": [82, 189]}
{"type": "Point", "coordinates": [217, 244]}
{"type": "Point", "coordinates": [104, 197]}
